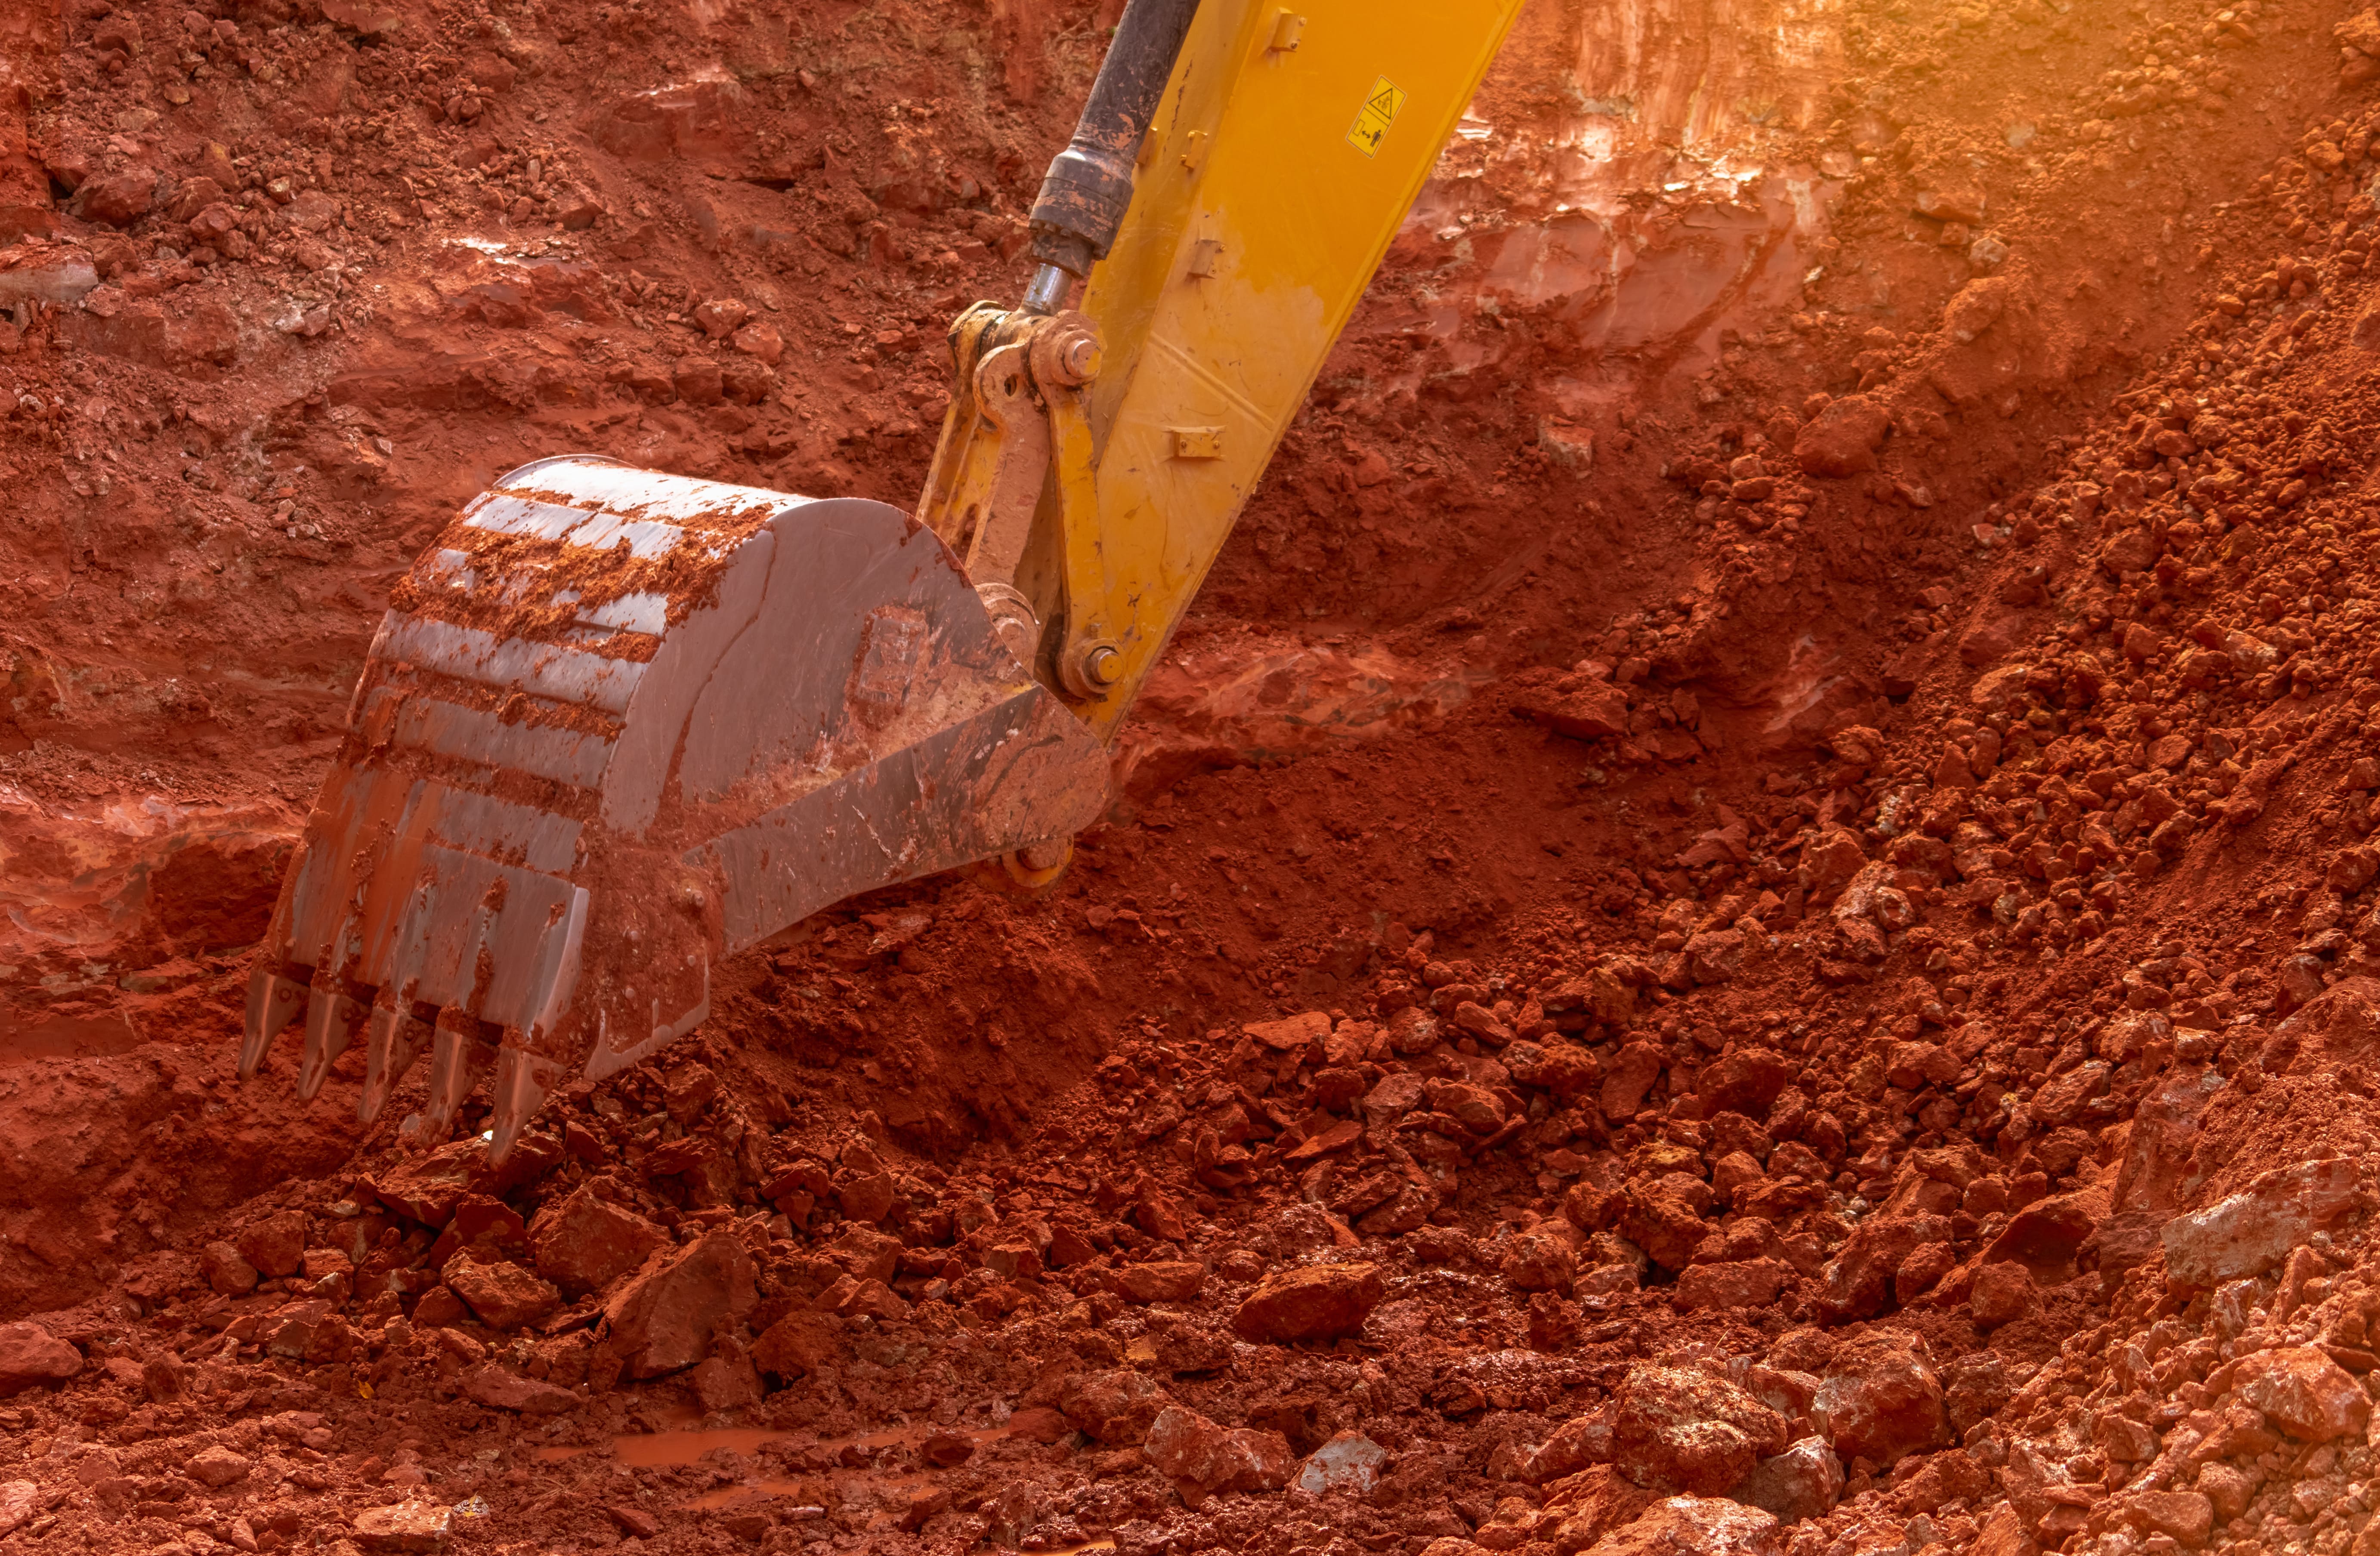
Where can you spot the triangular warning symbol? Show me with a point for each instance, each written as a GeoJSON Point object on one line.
{"type": "Point", "coordinates": [1385, 99]}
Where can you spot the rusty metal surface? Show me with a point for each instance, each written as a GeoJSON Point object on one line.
{"type": "Point", "coordinates": [616, 725]}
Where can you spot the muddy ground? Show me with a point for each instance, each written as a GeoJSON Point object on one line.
{"type": "Point", "coordinates": [1741, 921]}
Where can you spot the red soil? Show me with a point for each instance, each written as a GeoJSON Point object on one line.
{"type": "Point", "coordinates": [1753, 852]}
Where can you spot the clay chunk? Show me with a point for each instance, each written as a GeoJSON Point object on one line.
{"type": "Point", "coordinates": [1320, 1302]}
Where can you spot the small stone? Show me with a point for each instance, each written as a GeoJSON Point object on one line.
{"type": "Point", "coordinates": [1293, 1032]}
{"type": "Point", "coordinates": [1805, 1481]}
{"type": "Point", "coordinates": [19, 1500]}
{"type": "Point", "coordinates": [1660, 1217]}
{"type": "Point", "coordinates": [462, 1345]}
{"type": "Point", "coordinates": [2304, 1392]}
{"type": "Point", "coordinates": [312, 211]}
{"type": "Point", "coordinates": [1921, 1271]}
{"type": "Point", "coordinates": [1862, 1277]}
{"type": "Point", "coordinates": [1843, 439]}
{"type": "Point", "coordinates": [426, 1188]}
{"type": "Point", "coordinates": [500, 1389]}
{"type": "Point", "coordinates": [2229, 1487]}
{"type": "Point", "coordinates": [1185, 1447]}
{"type": "Point", "coordinates": [1168, 1280]}
{"type": "Point", "coordinates": [1577, 1444]}
{"type": "Point", "coordinates": [2255, 1229]}
{"type": "Point", "coordinates": [1882, 1402]}
{"type": "Point", "coordinates": [1349, 1462]}
{"type": "Point", "coordinates": [582, 1243]}
{"type": "Point", "coordinates": [721, 318]}
{"type": "Point", "coordinates": [117, 199]}
{"type": "Point", "coordinates": [1961, 205]}
{"type": "Point", "coordinates": [727, 1382]}
{"type": "Point", "coordinates": [46, 276]}
{"type": "Point", "coordinates": [2187, 1517]}
{"type": "Point", "coordinates": [225, 1271]}
{"type": "Point", "coordinates": [796, 1344]}
{"type": "Point", "coordinates": [214, 224]}
{"type": "Point", "coordinates": [309, 1331]}
{"type": "Point", "coordinates": [504, 1295]}
{"type": "Point", "coordinates": [31, 1357]}
{"type": "Point", "coordinates": [1540, 1261]}
{"type": "Point", "coordinates": [662, 1320]}
{"type": "Point", "coordinates": [1695, 1527]}
{"type": "Point", "coordinates": [577, 207]}
{"type": "Point", "coordinates": [1752, 1283]}
{"type": "Point", "coordinates": [1581, 706]}
{"type": "Point", "coordinates": [1632, 1072]}
{"type": "Point", "coordinates": [1320, 1302]}
{"type": "Point", "coordinates": [438, 1308]}
{"type": "Point", "coordinates": [405, 1526]}
{"type": "Point", "coordinates": [217, 1467]}
{"type": "Point", "coordinates": [699, 381]}
{"type": "Point", "coordinates": [1395, 1095]}
{"type": "Point", "coordinates": [1116, 1407]}
{"type": "Point", "coordinates": [1038, 1423]}
{"type": "Point", "coordinates": [2002, 1294]}
{"type": "Point", "coordinates": [1690, 1431]}
{"type": "Point", "coordinates": [761, 340]}
{"type": "Point", "coordinates": [633, 1521]}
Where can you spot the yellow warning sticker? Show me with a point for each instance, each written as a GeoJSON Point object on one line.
{"type": "Point", "coordinates": [1378, 112]}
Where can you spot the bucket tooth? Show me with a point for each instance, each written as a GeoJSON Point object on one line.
{"type": "Point", "coordinates": [274, 1000]}
{"type": "Point", "coordinates": [331, 1016]}
{"type": "Point", "coordinates": [393, 1036]}
{"type": "Point", "coordinates": [458, 1054]}
{"type": "Point", "coordinates": [522, 1080]}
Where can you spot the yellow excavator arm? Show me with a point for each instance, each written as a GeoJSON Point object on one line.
{"type": "Point", "coordinates": [1093, 462]}
{"type": "Point", "coordinates": [618, 725]}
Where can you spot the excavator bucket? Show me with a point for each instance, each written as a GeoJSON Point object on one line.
{"type": "Point", "coordinates": [616, 726]}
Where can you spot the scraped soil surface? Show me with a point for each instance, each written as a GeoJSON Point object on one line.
{"type": "Point", "coordinates": [1743, 921]}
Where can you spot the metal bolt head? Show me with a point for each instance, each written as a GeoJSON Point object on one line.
{"type": "Point", "coordinates": [1102, 665]}
{"type": "Point", "coordinates": [1045, 856]}
{"type": "Point", "coordinates": [1081, 358]}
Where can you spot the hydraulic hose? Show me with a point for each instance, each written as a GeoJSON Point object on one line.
{"type": "Point", "coordinates": [1089, 184]}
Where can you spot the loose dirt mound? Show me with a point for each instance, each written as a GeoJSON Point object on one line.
{"type": "Point", "coordinates": [1745, 921]}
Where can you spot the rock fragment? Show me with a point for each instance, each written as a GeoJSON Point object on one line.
{"type": "Point", "coordinates": [1695, 1527]}
{"type": "Point", "coordinates": [1690, 1431]}
{"type": "Point", "coordinates": [217, 1467]}
{"type": "Point", "coordinates": [1320, 1302]}
{"type": "Point", "coordinates": [1116, 1407]}
{"type": "Point", "coordinates": [405, 1526]}
{"type": "Point", "coordinates": [503, 1390]}
{"type": "Point", "coordinates": [1349, 1462]}
{"type": "Point", "coordinates": [31, 1357]}
{"type": "Point", "coordinates": [1188, 1449]}
{"type": "Point", "coordinates": [2304, 1392]}
{"type": "Point", "coordinates": [663, 1320]}
{"type": "Point", "coordinates": [226, 1270]}
{"type": "Point", "coordinates": [1166, 1280]}
{"type": "Point", "coordinates": [1805, 1481]}
{"type": "Point", "coordinates": [275, 1245]}
{"type": "Point", "coordinates": [1883, 1401]}
{"type": "Point", "coordinates": [2253, 1231]}
{"type": "Point", "coordinates": [19, 1500]}
{"type": "Point", "coordinates": [504, 1295]}
{"type": "Point", "coordinates": [583, 1243]}
{"type": "Point", "coordinates": [1843, 439]}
